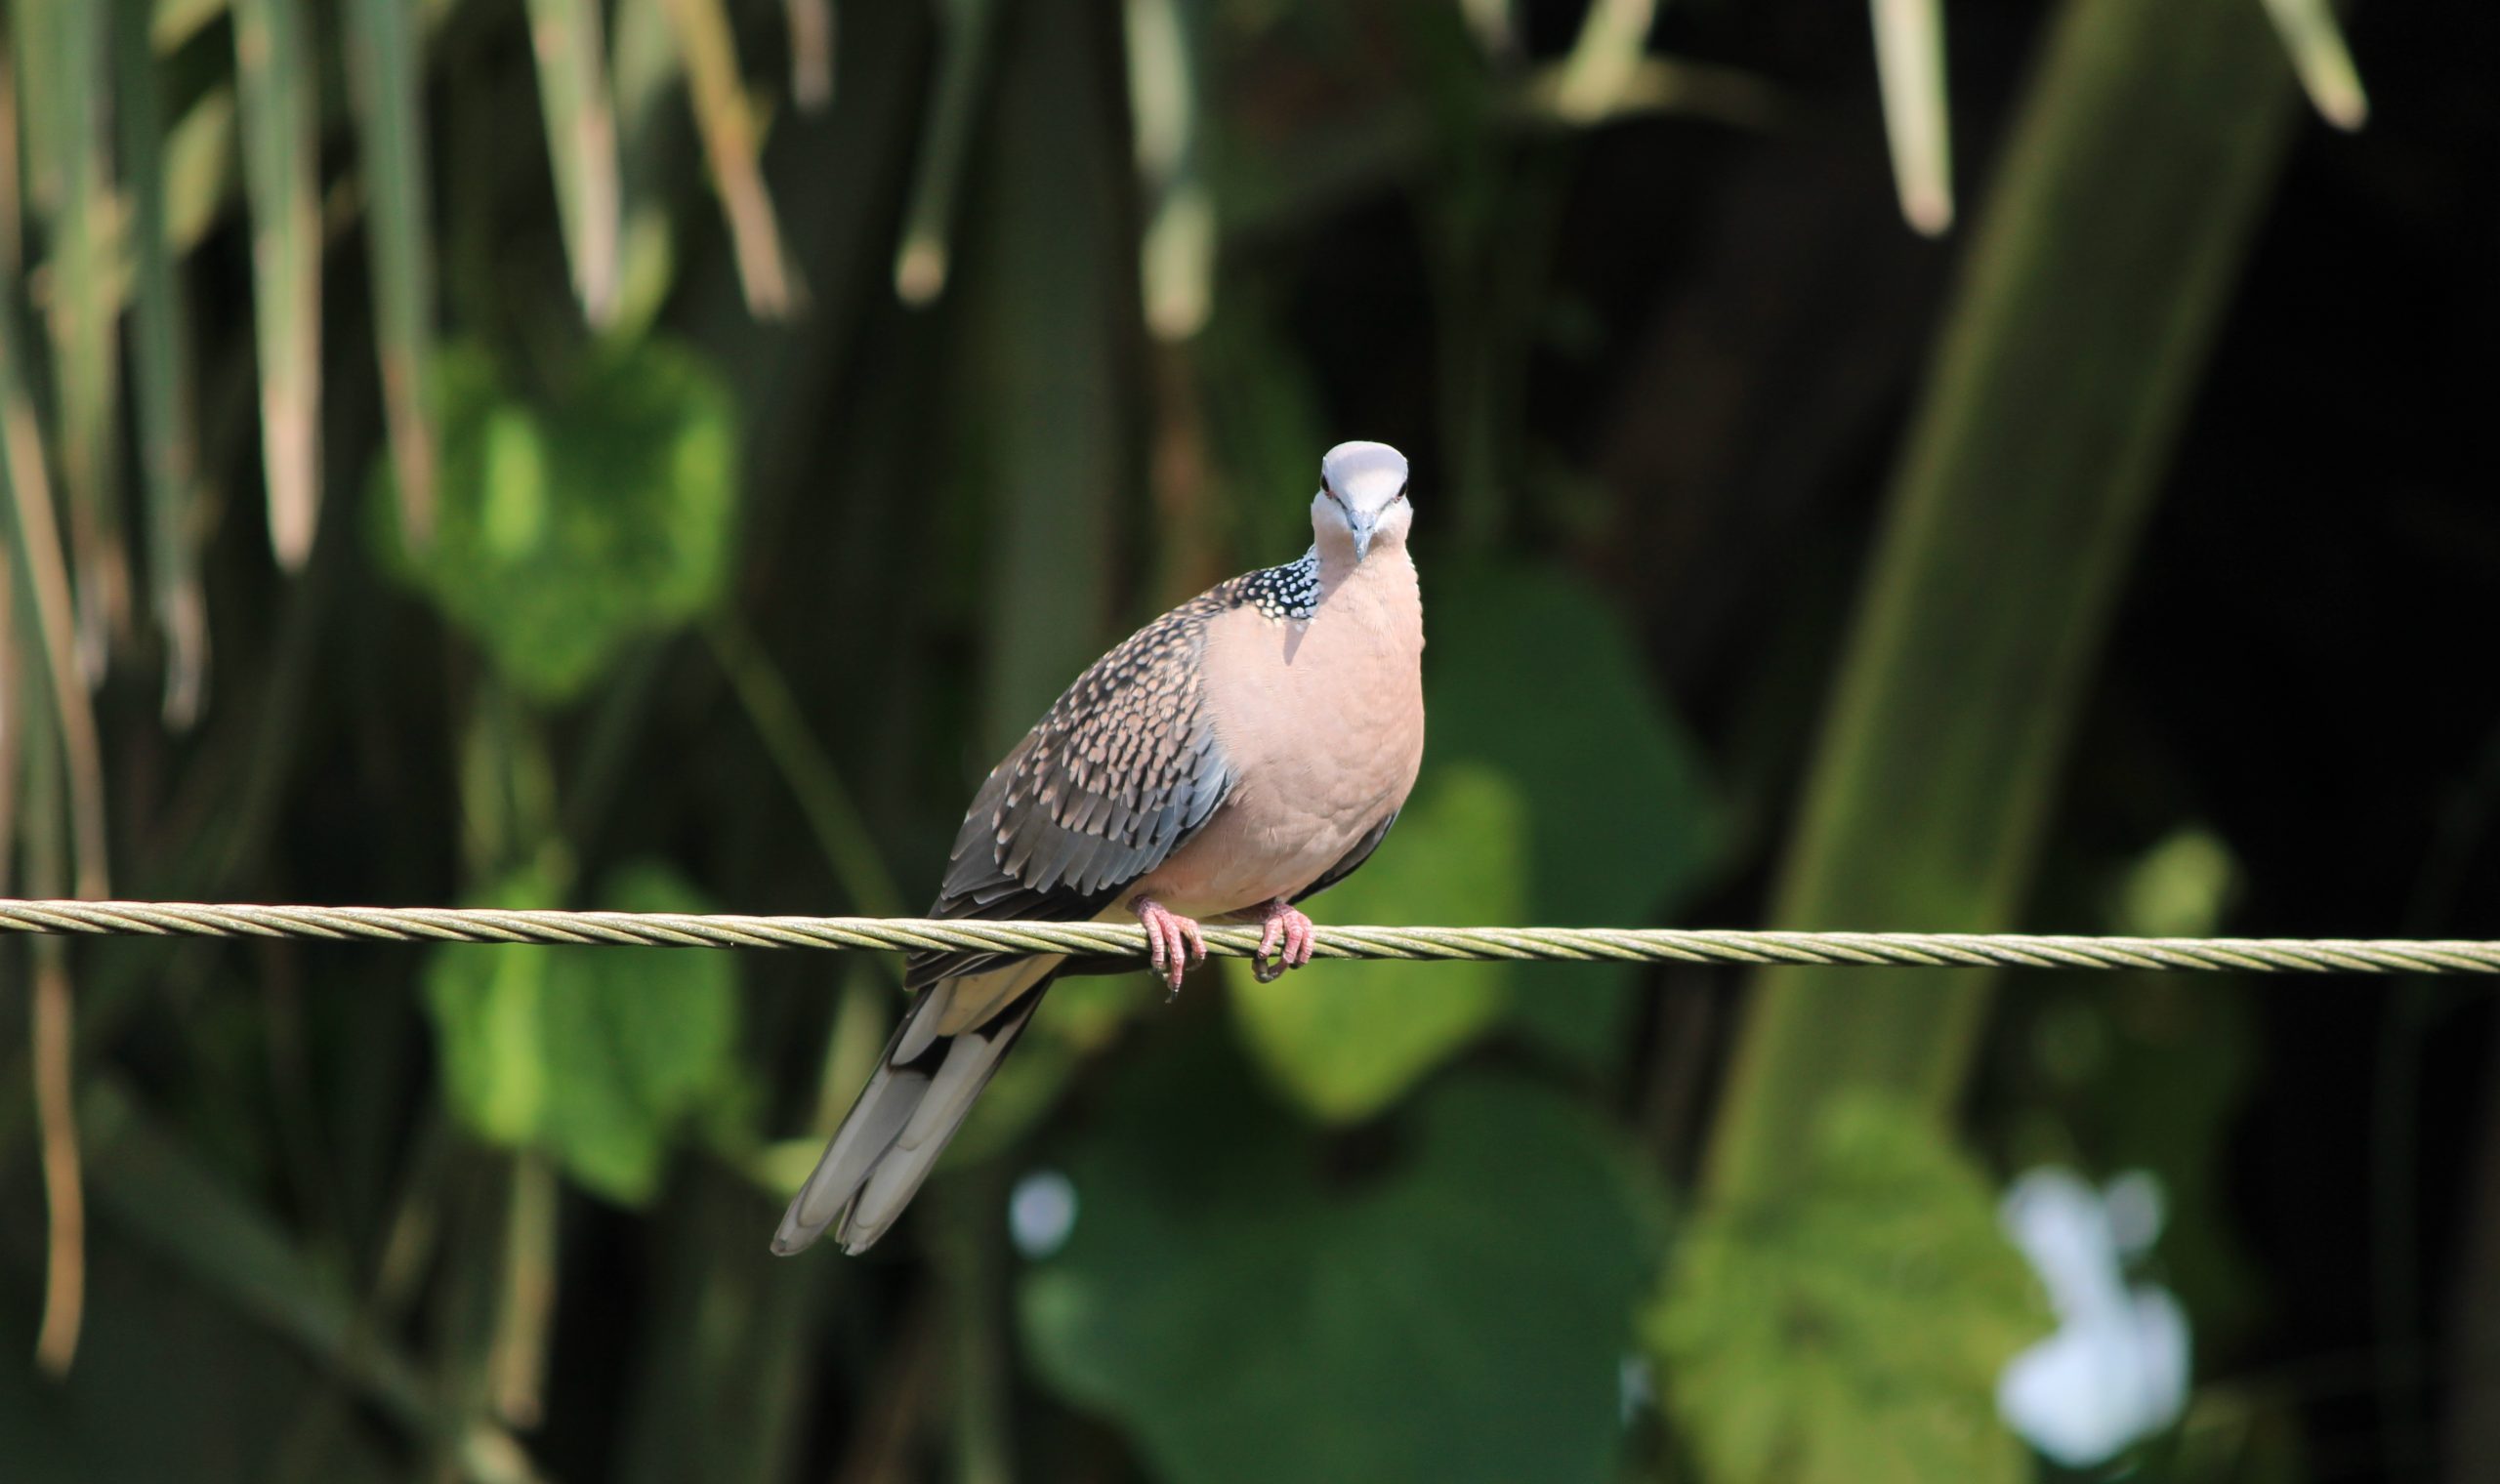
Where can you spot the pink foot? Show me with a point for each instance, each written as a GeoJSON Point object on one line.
{"type": "Point", "coordinates": [1175, 939]}
{"type": "Point", "coordinates": [1281, 927]}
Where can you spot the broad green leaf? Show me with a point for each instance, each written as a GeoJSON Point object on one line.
{"type": "Point", "coordinates": [1346, 1039]}
{"type": "Point", "coordinates": [1529, 672]}
{"type": "Point", "coordinates": [565, 529]}
{"type": "Point", "coordinates": [600, 1056]}
{"type": "Point", "coordinates": [1850, 1331]}
{"type": "Point", "coordinates": [1459, 1315]}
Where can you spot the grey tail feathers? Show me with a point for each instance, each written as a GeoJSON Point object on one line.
{"type": "Point", "coordinates": [917, 1098]}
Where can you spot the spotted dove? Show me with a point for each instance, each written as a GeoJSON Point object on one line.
{"type": "Point", "coordinates": [1242, 751]}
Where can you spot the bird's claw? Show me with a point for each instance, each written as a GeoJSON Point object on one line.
{"type": "Point", "coordinates": [1173, 940]}
{"type": "Point", "coordinates": [1289, 935]}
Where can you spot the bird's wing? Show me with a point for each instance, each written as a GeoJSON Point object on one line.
{"type": "Point", "coordinates": [1351, 862]}
{"type": "Point", "coordinates": [1125, 767]}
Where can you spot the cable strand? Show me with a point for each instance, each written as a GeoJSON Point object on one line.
{"type": "Point", "coordinates": [1680, 945]}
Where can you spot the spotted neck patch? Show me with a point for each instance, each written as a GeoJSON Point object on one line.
{"type": "Point", "coordinates": [1289, 594]}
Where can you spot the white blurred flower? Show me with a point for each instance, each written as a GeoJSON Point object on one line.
{"type": "Point", "coordinates": [1041, 1213]}
{"type": "Point", "coordinates": [2116, 1368]}
{"type": "Point", "coordinates": [1636, 1386]}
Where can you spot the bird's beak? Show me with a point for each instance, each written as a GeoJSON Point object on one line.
{"type": "Point", "coordinates": [1363, 528]}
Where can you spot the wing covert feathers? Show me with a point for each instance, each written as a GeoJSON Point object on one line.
{"type": "Point", "coordinates": [1124, 768]}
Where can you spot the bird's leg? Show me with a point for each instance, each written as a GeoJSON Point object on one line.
{"type": "Point", "coordinates": [1281, 927]}
{"type": "Point", "coordinates": [1175, 938]}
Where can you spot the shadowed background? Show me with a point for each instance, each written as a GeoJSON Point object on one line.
{"type": "Point", "coordinates": [657, 453]}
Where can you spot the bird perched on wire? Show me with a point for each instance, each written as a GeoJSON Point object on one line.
{"type": "Point", "coordinates": [1242, 751]}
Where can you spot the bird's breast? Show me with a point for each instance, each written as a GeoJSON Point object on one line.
{"type": "Point", "coordinates": [1322, 722]}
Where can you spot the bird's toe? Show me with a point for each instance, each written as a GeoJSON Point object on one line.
{"type": "Point", "coordinates": [1287, 935]}
{"type": "Point", "coordinates": [1301, 936]}
{"type": "Point", "coordinates": [1173, 941]}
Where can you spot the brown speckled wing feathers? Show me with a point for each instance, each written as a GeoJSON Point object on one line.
{"type": "Point", "coordinates": [1122, 769]}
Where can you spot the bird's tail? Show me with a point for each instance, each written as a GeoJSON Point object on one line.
{"type": "Point", "coordinates": [923, 1087]}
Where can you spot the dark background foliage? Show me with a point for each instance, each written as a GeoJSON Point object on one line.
{"type": "Point", "coordinates": [717, 601]}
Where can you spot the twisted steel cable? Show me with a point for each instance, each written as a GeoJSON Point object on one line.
{"type": "Point", "coordinates": [1678, 945]}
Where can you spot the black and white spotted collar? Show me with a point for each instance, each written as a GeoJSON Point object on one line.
{"type": "Point", "coordinates": [1289, 594]}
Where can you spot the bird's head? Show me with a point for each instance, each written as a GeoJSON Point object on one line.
{"type": "Point", "coordinates": [1361, 502]}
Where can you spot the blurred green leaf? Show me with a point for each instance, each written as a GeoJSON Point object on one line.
{"type": "Point", "coordinates": [2316, 41]}
{"type": "Point", "coordinates": [40, 589]}
{"type": "Point", "coordinates": [161, 378]}
{"type": "Point", "coordinates": [733, 142]}
{"type": "Point", "coordinates": [596, 1056]}
{"type": "Point", "coordinates": [582, 143]}
{"type": "Point", "coordinates": [1852, 1332]}
{"type": "Point", "coordinates": [244, 1388]}
{"type": "Point", "coordinates": [175, 21]}
{"type": "Point", "coordinates": [811, 35]}
{"type": "Point", "coordinates": [1346, 1039]}
{"type": "Point", "coordinates": [1175, 259]}
{"type": "Point", "coordinates": [155, 1188]}
{"type": "Point", "coordinates": [1263, 419]}
{"type": "Point", "coordinates": [1529, 672]}
{"type": "Point", "coordinates": [1606, 57]}
{"type": "Point", "coordinates": [2179, 888]}
{"type": "Point", "coordinates": [386, 61]}
{"type": "Point", "coordinates": [1909, 63]}
{"type": "Point", "coordinates": [84, 307]}
{"type": "Point", "coordinates": [157, 1191]}
{"type": "Point", "coordinates": [565, 530]}
{"type": "Point", "coordinates": [277, 77]}
{"type": "Point", "coordinates": [1460, 1315]}
{"type": "Point", "coordinates": [924, 257]}
{"type": "Point", "coordinates": [1051, 303]}
{"type": "Point", "coordinates": [199, 168]}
